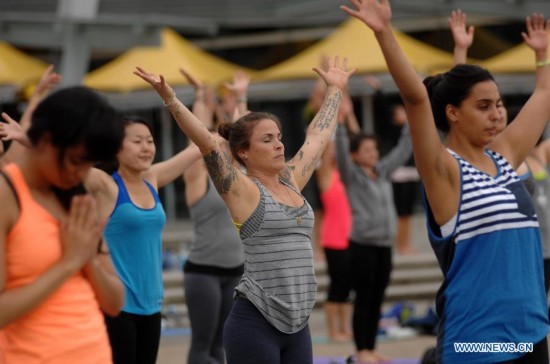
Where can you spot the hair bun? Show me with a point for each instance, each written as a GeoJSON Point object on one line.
{"type": "Point", "coordinates": [224, 129]}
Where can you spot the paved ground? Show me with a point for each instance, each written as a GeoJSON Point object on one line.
{"type": "Point", "coordinates": [174, 348]}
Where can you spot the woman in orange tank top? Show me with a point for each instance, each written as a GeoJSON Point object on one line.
{"type": "Point", "coordinates": [55, 274]}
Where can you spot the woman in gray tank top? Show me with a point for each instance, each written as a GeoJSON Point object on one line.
{"type": "Point", "coordinates": [215, 263]}
{"type": "Point", "coordinates": [269, 320]}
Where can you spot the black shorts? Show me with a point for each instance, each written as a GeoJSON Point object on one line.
{"type": "Point", "coordinates": [405, 197]}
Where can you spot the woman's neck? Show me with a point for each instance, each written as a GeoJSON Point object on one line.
{"type": "Point", "coordinates": [130, 175]}
{"type": "Point", "coordinates": [265, 179]}
{"type": "Point", "coordinates": [31, 172]}
{"type": "Point", "coordinates": [466, 149]}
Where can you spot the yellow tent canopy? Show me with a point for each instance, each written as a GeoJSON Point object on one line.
{"type": "Point", "coordinates": [355, 41]}
{"type": "Point", "coordinates": [519, 59]}
{"type": "Point", "coordinates": [17, 68]}
{"type": "Point", "coordinates": [173, 54]}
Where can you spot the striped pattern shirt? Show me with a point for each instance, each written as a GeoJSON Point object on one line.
{"type": "Point", "coordinates": [489, 204]}
{"type": "Point", "coordinates": [493, 290]}
{"type": "Point", "coordinates": [279, 278]}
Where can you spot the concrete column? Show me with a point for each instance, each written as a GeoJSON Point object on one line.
{"type": "Point", "coordinates": [75, 46]}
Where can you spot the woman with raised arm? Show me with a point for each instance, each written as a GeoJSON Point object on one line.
{"type": "Point", "coordinates": [13, 130]}
{"type": "Point", "coordinates": [481, 221]}
{"type": "Point", "coordinates": [534, 172]}
{"type": "Point", "coordinates": [334, 233]}
{"type": "Point", "coordinates": [269, 319]}
{"type": "Point", "coordinates": [463, 36]}
{"type": "Point", "coordinates": [129, 199]}
{"type": "Point", "coordinates": [215, 262]}
{"type": "Point", "coordinates": [54, 278]}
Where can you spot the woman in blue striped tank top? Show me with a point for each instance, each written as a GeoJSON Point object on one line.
{"type": "Point", "coordinates": [481, 221]}
{"type": "Point", "coordinates": [269, 319]}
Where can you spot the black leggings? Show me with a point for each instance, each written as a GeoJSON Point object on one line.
{"type": "Point", "coordinates": [134, 338]}
{"type": "Point", "coordinates": [248, 338]}
{"type": "Point", "coordinates": [209, 299]}
{"type": "Point", "coordinates": [370, 269]}
{"type": "Point", "coordinates": [339, 274]}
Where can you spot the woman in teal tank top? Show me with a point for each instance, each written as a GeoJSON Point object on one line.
{"type": "Point", "coordinates": [133, 233]}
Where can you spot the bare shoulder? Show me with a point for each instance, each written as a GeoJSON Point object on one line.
{"type": "Point", "coordinates": [99, 181]}
{"type": "Point", "coordinates": [10, 207]}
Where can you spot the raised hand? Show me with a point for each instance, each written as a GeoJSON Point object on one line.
{"type": "Point", "coordinates": [337, 74]}
{"type": "Point", "coordinates": [195, 82]}
{"type": "Point", "coordinates": [240, 83]}
{"type": "Point", "coordinates": [81, 232]}
{"type": "Point", "coordinates": [373, 82]}
{"type": "Point", "coordinates": [536, 37]}
{"type": "Point", "coordinates": [49, 80]}
{"type": "Point", "coordinates": [159, 84]}
{"type": "Point", "coordinates": [376, 14]}
{"type": "Point", "coordinates": [12, 130]}
{"type": "Point", "coordinates": [462, 36]}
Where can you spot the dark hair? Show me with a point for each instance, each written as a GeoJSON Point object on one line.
{"type": "Point", "coordinates": [356, 140]}
{"type": "Point", "coordinates": [73, 116]}
{"type": "Point", "coordinates": [451, 88]}
{"type": "Point", "coordinates": [112, 165]}
{"type": "Point", "coordinates": [238, 133]}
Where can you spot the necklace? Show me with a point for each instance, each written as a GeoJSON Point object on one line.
{"type": "Point", "coordinates": [299, 218]}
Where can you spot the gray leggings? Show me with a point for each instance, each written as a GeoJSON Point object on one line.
{"type": "Point", "coordinates": [209, 299]}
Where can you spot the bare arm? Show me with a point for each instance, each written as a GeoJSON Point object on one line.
{"type": "Point", "coordinates": [320, 130]}
{"type": "Point", "coordinates": [107, 286]}
{"type": "Point", "coordinates": [520, 137]}
{"type": "Point", "coordinates": [463, 36]}
{"type": "Point", "coordinates": [347, 114]}
{"type": "Point", "coordinates": [48, 81]}
{"type": "Point", "coordinates": [167, 171]}
{"type": "Point", "coordinates": [426, 143]}
{"type": "Point", "coordinates": [228, 180]}
{"type": "Point", "coordinates": [239, 87]}
{"type": "Point", "coordinates": [202, 107]}
{"type": "Point", "coordinates": [1, 153]}
{"type": "Point", "coordinates": [79, 235]}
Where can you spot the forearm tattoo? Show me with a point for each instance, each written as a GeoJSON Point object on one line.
{"type": "Point", "coordinates": [327, 114]}
{"type": "Point", "coordinates": [221, 171]}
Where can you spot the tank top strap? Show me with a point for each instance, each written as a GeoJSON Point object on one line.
{"type": "Point", "coordinates": [153, 191]}
{"type": "Point", "coordinates": [123, 196]}
{"type": "Point", "coordinates": [18, 183]}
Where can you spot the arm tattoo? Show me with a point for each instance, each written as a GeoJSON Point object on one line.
{"type": "Point", "coordinates": [328, 112]}
{"type": "Point", "coordinates": [308, 167]}
{"type": "Point", "coordinates": [284, 175]}
{"type": "Point", "coordinates": [221, 171]}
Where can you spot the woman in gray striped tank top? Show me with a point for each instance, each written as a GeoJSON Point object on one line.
{"type": "Point", "coordinates": [269, 319]}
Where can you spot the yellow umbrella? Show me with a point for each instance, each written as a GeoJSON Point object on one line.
{"type": "Point", "coordinates": [519, 59]}
{"type": "Point", "coordinates": [173, 54]}
{"type": "Point", "coordinates": [355, 41]}
{"type": "Point", "coordinates": [17, 68]}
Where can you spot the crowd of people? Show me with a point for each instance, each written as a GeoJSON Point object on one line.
{"type": "Point", "coordinates": [81, 223]}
